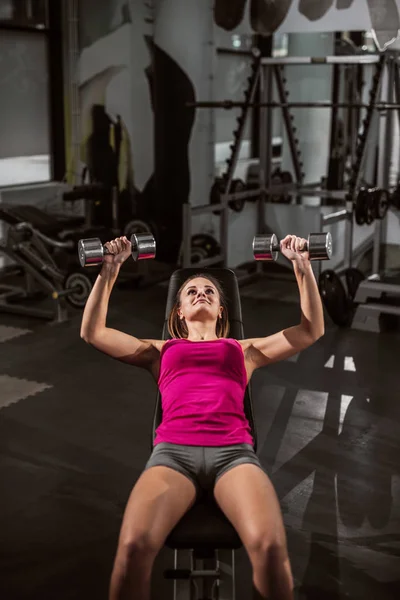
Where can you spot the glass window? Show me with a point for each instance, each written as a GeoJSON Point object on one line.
{"type": "Point", "coordinates": [24, 13]}
{"type": "Point", "coordinates": [24, 108]}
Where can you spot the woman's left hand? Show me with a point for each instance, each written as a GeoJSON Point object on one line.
{"type": "Point", "coordinates": [295, 249]}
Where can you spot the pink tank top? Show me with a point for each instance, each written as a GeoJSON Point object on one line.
{"type": "Point", "coordinates": [202, 387]}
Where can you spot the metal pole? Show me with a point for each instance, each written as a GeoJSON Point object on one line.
{"type": "Point", "coordinates": [223, 229]}
{"type": "Point", "coordinates": [187, 235]}
{"type": "Point", "coordinates": [397, 86]}
{"type": "Point", "coordinates": [366, 59]}
{"type": "Point", "coordinates": [386, 142]}
{"type": "Point", "coordinates": [266, 92]}
{"type": "Point", "coordinates": [230, 104]}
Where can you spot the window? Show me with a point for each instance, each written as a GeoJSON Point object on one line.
{"type": "Point", "coordinates": [32, 144]}
{"type": "Point", "coordinates": [24, 13]}
{"type": "Point", "coordinates": [24, 109]}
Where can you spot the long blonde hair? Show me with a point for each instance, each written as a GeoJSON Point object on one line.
{"type": "Point", "coordinates": [177, 327]}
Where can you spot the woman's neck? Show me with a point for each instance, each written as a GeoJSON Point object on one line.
{"type": "Point", "coordinates": [201, 333]}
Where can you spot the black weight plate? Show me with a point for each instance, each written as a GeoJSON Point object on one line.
{"type": "Point", "coordinates": [204, 246]}
{"type": "Point", "coordinates": [361, 207]}
{"type": "Point", "coordinates": [237, 187]}
{"type": "Point", "coordinates": [215, 194]}
{"type": "Point", "coordinates": [138, 226]}
{"type": "Point", "coordinates": [286, 178]}
{"type": "Point", "coordinates": [370, 214]}
{"type": "Point", "coordinates": [382, 198]}
{"type": "Point", "coordinates": [353, 279]}
{"type": "Point", "coordinates": [395, 197]}
{"type": "Point", "coordinates": [334, 298]}
{"type": "Point", "coordinates": [276, 179]}
{"type": "Point", "coordinates": [83, 283]}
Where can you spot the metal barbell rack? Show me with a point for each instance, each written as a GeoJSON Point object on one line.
{"type": "Point", "coordinates": [270, 67]}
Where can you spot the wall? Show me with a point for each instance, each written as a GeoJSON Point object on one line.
{"type": "Point", "coordinates": [115, 95]}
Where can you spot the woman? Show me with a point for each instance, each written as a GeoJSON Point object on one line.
{"type": "Point", "coordinates": [204, 439]}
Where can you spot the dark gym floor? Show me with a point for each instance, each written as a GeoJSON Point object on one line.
{"type": "Point", "coordinates": [75, 435]}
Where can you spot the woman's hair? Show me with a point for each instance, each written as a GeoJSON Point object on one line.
{"type": "Point", "coordinates": [177, 327]}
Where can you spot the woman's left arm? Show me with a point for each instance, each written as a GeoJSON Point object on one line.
{"type": "Point", "coordinates": [290, 341]}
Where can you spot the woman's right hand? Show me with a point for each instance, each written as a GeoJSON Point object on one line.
{"type": "Point", "coordinates": [120, 249]}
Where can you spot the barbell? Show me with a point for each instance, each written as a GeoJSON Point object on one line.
{"type": "Point", "coordinates": [91, 251]}
{"type": "Point", "coordinates": [230, 104]}
{"type": "Point", "coordinates": [267, 247]}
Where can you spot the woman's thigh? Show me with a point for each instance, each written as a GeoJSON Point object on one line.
{"type": "Point", "coordinates": [159, 499]}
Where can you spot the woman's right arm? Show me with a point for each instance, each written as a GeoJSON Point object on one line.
{"type": "Point", "coordinates": [94, 330]}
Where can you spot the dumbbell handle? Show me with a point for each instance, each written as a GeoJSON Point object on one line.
{"type": "Point", "coordinates": [277, 247]}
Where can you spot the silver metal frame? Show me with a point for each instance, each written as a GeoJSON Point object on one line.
{"type": "Point", "coordinates": [297, 189]}
{"type": "Point", "coordinates": [369, 309]}
{"type": "Point", "coordinates": [210, 579]}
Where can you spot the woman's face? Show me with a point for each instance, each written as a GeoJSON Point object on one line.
{"type": "Point", "coordinates": [200, 301]}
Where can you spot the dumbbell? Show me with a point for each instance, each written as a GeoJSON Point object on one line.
{"type": "Point", "coordinates": [91, 250]}
{"type": "Point", "coordinates": [319, 246]}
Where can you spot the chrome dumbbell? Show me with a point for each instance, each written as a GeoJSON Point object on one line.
{"type": "Point", "coordinates": [91, 250]}
{"type": "Point", "coordinates": [267, 247]}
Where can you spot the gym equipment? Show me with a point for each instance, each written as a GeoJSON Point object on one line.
{"type": "Point", "coordinates": [34, 247]}
{"type": "Point", "coordinates": [395, 197]}
{"type": "Point", "coordinates": [382, 201]}
{"type": "Point", "coordinates": [237, 187]}
{"type": "Point", "coordinates": [139, 226]}
{"type": "Point", "coordinates": [371, 204]}
{"type": "Point", "coordinates": [376, 298]}
{"type": "Point", "coordinates": [77, 286]}
{"type": "Point", "coordinates": [278, 178]}
{"type": "Point", "coordinates": [203, 247]}
{"type": "Point", "coordinates": [218, 189]}
{"type": "Point", "coordinates": [266, 247]}
{"type": "Point", "coordinates": [334, 297]}
{"type": "Point", "coordinates": [353, 279]}
{"type": "Point", "coordinates": [364, 207]}
{"type": "Point", "coordinates": [91, 250]}
{"type": "Point", "coordinates": [204, 541]}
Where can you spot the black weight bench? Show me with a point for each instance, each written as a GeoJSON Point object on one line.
{"type": "Point", "coordinates": [204, 533]}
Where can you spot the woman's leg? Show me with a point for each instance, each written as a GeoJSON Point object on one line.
{"type": "Point", "coordinates": [247, 497]}
{"type": "Point", "coordinates": [160, 498]}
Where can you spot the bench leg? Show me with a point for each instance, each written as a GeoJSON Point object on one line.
{"type": "Point", "coordinates": [200, 577]}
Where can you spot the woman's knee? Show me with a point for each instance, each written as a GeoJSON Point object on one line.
{"type": "Point", "coordinates": [139, 545]}
{"type": "Point", "coordinates": [264, 548]}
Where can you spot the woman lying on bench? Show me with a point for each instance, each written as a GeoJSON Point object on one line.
{"type": "Point", "coordinates": [204, 440]}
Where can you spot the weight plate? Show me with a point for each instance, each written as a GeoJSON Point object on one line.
{"type": "Point", "coordinates": [136, 226]}
{"type": "Point", "coordinates": [215, 194]}
{"type": "Point", "coordinates": [203, 246]}
{"type": "Point", "coordinates": [82, 285]}
{"type": "Point", "coordinates": [286, 178]}
{"type": "Point", "coordinates": [361, 207]}
{"type": "Point", "coordinates": [353, 279]}
{"type": "Point", "coordinates": [335, 298]}
{"type": "Point", "coordinates": [237, 187]}
{"type": "Point", "coordinates": [382, 199]}
{"type": "Point", "coordinates": [370, 204]}
{"type": "Point", "coordinates": [395, 197]}
{"type": "Point", "coordinates": [276, 179]}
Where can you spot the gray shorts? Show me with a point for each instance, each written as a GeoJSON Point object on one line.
{"type": "Point", "coordinates": [203, 465]}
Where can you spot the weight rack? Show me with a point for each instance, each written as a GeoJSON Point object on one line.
{"type": "Point", "coordinates": [269, 68]}
{"type": "Point", "coordinates": [379, 286]}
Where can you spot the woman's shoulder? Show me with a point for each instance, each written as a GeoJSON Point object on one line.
{"type": "Point", "coordinates": [157, 344]}
{"type": "Point", "coordinates": [243, 343]}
